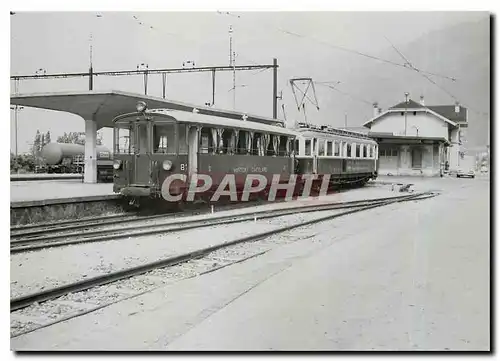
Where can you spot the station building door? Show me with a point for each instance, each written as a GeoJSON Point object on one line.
{"type": "Point", "coordinates": [416, 158]}
{"type": "Point", "coordinates": [388, 158]}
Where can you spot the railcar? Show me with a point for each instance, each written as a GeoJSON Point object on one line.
{"type": "Point", "coordinates": [348, 158]}
{"type": "Point", "coordinates": [70, 158]}
{"type": "Point", "coordinates": [151, 145]}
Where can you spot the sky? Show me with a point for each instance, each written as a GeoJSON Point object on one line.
{"type": "Point", "coordinates": [301, 41]}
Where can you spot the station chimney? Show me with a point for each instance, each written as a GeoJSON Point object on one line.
{"type": "Point", "coordinates": [375, 109]}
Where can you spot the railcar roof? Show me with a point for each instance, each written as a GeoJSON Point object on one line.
{"type": "Point", "coordinates": [326, 135]}
{"type": "Point", "coordinates": [204, 119]}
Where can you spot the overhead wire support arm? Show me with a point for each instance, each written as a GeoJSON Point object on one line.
{"type": "Point", "coordinates": [148, 71]}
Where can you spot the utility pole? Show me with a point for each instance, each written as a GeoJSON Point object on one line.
{"type": "Point", "coordinates": [164, 83]}
{"type": "Point", "coordinates": [232, 62]}
{"type": "Point", "coordinates": [91, 70]}
{"type": "Point", "coordinates": [275, 88]}
{"type": "Point", "coordinates": [406, 106]}
{"type": "Point", "coordinates": [145, 68]}
{"type": "Point", "coordinates": [213, 87]}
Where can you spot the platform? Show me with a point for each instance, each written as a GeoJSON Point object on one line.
{"type": "Point", "coordinates": [44, 176]}
{"type": "Point", "coordinates": [46, 192]}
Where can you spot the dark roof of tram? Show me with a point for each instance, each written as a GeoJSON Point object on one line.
{"type": "Point", "coordinates": [104, 106]}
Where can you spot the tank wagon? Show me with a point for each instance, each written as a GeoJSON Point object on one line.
{"type": "Point", "coordinates": [151, 145]}
{"type": "Point", "coordinates": [70, 158]}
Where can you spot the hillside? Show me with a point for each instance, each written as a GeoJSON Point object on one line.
{"type": "Point", "coordinates": [461, 51]}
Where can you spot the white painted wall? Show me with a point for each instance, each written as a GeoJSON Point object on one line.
{"type": "Point", "coordinates": [428, 125]}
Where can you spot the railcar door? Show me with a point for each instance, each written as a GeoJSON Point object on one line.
{"type": "Point", "coordinates": [315, 155]}
{"type": "Point", "coordinates": [142, 160]}
{"type": "Point", "coordinates": [193, 134]}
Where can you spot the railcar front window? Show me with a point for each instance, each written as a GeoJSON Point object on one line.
{"type": "Point", "coordinates": [124, 139]}
{"type": "Point", "coordinates": [164, 138]}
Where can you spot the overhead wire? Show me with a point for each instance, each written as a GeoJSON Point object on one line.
{"type": "Point", "coordinates": [353, 51]}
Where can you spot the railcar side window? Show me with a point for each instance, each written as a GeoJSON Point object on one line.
{"type": "Point", "coordinates": [358, 152]}
{"type": "Point", "coordinates": [321, 147]}
{"type": "Point", "coordinates": [260, 144]}
{"type": "Point", "coordinates": [183, 142]}
{"type": "Point", "coordinates": [370, 147]}
{"type": "Point", "coordinates": [365, 155]}
{"type": "Point", "coordinates": [164, 138]}
{"type": "Point", "coordinates": [348, 155]}
{"type": "Point", "coordinates": [296, 148]}
{"type": "Point", "coordinates": [329, 150]}
{"type": "Point", "coordinates": [284, 146]}
{"type": "Point", "coordinates": [273, 145]}
{"type": "Point", "coordinates": [206, 141]}
{"type": "Point", "coordinates": [245, 139]}
{"type": "Point", "coordinates": [228, 141]}
{"type": "Point", "coordinates": [308, 147]}
{"type": "Point", "coordinates": [124, 139]}
{"type": "Point", "coordinates": [337, 149]}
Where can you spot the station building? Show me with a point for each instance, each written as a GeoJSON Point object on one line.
{"type": "Point", "coordinates": [415, 139]}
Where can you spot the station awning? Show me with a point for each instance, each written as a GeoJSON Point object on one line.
{"type": "Point", "coordinates": [404, 139]}
{"type": "Point", "coordinates": [104, 106]}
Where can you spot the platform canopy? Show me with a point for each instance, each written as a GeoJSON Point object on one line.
{"type": "Point", "coordinates": [104, 106]}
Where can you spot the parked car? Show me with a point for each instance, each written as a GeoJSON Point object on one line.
{"type": "Point", "coordinates": [466, 173]}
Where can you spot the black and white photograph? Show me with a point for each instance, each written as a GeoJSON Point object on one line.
{"type": "Point", "coordinates": [232, 179]}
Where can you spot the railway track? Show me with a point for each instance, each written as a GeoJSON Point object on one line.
{"type": "Point", "coordinates": [171, 225]}
{"type": "Point", "coordinates": [75, 299]}
{"type": "Point", "coordinates": [33, 230]}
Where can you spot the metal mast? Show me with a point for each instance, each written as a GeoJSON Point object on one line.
{"type": "Point", "coordinates": [232, 62]}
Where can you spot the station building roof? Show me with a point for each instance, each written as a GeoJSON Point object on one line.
{"type": "Point", "coordinates": [104, 106]}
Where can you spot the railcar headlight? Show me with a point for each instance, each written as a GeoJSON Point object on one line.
{"type": "Point", "coordinates": [167, 164]}
{"type": "Point", "coordinates": [117, 164]}
{"type": "Point", "coordinates": [141, 106]}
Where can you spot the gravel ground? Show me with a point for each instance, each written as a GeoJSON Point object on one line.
{"type": "Point", "coordinates": [413, 276]}
{"type": "Point", "coordinates": [39, 315]}
{"type": "Point", "coordinates": [52, 267]}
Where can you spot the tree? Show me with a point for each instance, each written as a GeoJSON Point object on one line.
{"type": "Point", "coordinates": [36, 144]}
{"type": "Point", "coordinates": [42, 142]}
{"type": "Point", "coordinates": [47, 137]}
{"type": "Point", "coordinates": [77, 138]}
